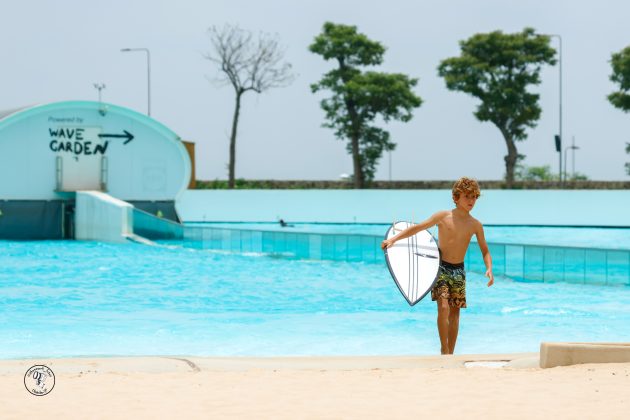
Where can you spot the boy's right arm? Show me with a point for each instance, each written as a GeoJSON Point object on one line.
{"type": "Point", "coordinates": [412, 230]}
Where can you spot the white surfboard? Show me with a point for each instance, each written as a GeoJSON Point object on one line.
{"type": "Point", "coordinates": [413, 262]}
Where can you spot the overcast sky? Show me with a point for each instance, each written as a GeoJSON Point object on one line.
{"type": "Point", "coordinates": [56, 50]}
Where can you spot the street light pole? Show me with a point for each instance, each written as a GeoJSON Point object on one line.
{"type": "Point", "coordinates": [148, 73]}
{"type": "Point", "coordinates": [573, 155]}
{"type": "Point", "coordinates": [565, 162]}
{"type": "Point", "coordinates": [573, 147]}
{"type": "Point", "coordinates": [99, 87]}
{"type": "Point", "coordinates": [560, 103]}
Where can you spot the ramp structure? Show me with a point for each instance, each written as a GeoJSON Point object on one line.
{"type": "Point", "coordinates": [101, 217]}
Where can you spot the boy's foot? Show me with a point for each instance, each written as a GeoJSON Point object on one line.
{"type": "Point", "coordinates": [444, 351]}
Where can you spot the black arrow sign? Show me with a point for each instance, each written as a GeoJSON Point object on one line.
{"type": "Point", "coordinates": [127, 136]}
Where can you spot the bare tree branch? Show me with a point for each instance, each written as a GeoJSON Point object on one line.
{"type": "Point", "coordinates": [246, 64]}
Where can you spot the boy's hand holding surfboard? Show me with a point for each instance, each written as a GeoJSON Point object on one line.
{"type": "Point", "coordinates": [413, 261]}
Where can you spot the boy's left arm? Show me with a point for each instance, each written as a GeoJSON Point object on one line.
{"type": "Point", "coordinates": [487, 259]}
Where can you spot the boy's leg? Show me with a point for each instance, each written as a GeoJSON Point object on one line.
{"type": "Point", "coordinates": [442, 324]}
{"type": "Point", "coordinates": [453, 328]}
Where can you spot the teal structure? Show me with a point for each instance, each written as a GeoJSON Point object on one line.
{"type": "Point", "coordinates": [51, 151]}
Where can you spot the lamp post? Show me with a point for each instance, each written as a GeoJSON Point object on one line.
{"type": "Point", "coordinates": [99, 87]}
{"type": "Point", "coordinates": [148, 73]}
{"type": "Point", "coordinates": [573, 147]}
{"type": "Point", "coordinates": [573, 155]}
{"type": "Point", "coordinates": [560, 104]}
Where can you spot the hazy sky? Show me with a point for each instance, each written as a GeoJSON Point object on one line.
{"type": "Point", "coordinates": [56, 50]}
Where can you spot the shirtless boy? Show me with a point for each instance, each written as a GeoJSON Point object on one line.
{"type": "Point", "coordinates": [455, 229]}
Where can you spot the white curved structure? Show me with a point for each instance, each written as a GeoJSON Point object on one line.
{"type": "Point", "coordinates": [48, 152]}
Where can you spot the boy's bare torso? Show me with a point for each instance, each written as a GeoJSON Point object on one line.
{"type": "Point", "coordinates": [455, 231]}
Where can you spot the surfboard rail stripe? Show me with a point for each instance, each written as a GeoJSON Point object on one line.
{"type": "Point", "coordinates": [399, 245]}
{"type": "Point", "coordinates": [415, 271]}
{"type": "Point", "coordinates": [426, 255]}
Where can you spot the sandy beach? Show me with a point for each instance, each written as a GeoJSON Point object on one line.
{"type": "Point", "coordinates": [318, 388]}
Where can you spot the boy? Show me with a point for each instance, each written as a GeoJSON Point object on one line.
{"type": "Point", "coordinates": [455, 229]}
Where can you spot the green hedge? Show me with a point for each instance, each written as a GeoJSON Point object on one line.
{"type": "Point", "coordinates": [270, 184]}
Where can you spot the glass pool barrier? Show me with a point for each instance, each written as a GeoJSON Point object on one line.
{"type": "Point", "coordinates": [541, 263]}
{"type": "Point", "coordinates": [152, 227]}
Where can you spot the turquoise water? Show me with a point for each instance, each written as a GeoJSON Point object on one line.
{"type": "Point", "coordinates": [67, 298]}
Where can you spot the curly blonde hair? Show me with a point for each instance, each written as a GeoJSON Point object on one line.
{"type": "Point", "coordinates": [465, 185]}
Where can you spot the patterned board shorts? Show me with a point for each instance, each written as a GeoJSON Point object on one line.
{"type": "Point", "coordinates": [450, 284]}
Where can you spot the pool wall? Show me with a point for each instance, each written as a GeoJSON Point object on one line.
{"type": "Point", "coordinates": [495, 207]}
{"type": "Point", "coordinates": [521, 262]}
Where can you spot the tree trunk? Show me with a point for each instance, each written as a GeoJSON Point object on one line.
{"type": "Point", "coordinates": [355, 123]}
{"type": "Point", "coordinates": [510, 159]}
{"type": "Point", "coordinates": [232, 164]}
{"type": "Point", "coordinates": [356, 161]}
{"type": "Point", "coordinates": [354, 141]}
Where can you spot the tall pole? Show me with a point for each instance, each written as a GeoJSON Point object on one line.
{"type": "Point", "coordinates": [565, 162]}
{"type": "Point", "coordinates": [99, 87]}
{"type": "Point", "coordinates": [573, 148]}
{"type": "Point", "coordinates": [573, 157]}
{"type": "Point", "coordinates": [148, 74]}
{"type": "Point", "coordinates": [390, 164]}
{"type": "Point", "coordinates": [560, 103]}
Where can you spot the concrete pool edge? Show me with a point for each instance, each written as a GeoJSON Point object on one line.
{"type": "Point", "coordinates": [192, 364]}
{"type": "Point", "coordinates": [572, 207]}
{"type": "Point", "coordinates": [551, 355]}
{"type": "Point", "coordinates": [555, 354]}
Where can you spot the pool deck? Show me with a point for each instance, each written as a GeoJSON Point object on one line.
{"type": "Point", "coordinates": [318, 387]}
{"type": "Point", "coordinates": [164, 364]}
{"type": "Point", "coordinates": [551, 355]}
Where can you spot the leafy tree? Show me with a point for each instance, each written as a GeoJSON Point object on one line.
{"type": "Point", "coordinates": [360, 97]}
{"type": "Point", "coordinates": [620, 63]}
{"type": "Point", "coordinates": [247, 64]}
{"type": "Point", "coordinates": [578, 176]}
{"type": "Point", "coordinates": [543, 173]}
{"type": "Point", "coordinates": [498, 69]}
{"type": "Point", "coordinates": [621, 75]}
{"type": "Point", "coordinates": [534, 173]}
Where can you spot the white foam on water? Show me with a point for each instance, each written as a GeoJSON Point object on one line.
{"type": "Point", "coordinates": [508, 309]}
{"type": "Point", "coordinates": [545, 312]}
